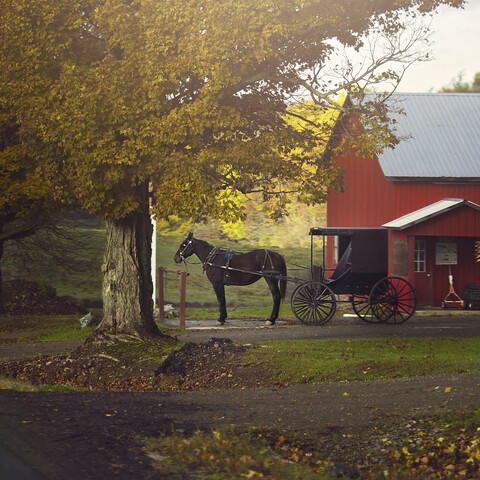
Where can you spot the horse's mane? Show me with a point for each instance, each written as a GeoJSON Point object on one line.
{"type": "Point", "coordinates": [204, 242]}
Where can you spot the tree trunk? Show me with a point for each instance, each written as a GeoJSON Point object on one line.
{"type": "Point", "coordinates": [2, 307]}
{"type": "Point", "coordinates": [127, 281]}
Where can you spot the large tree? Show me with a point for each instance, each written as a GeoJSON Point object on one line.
{"type": "Point", "coordinates": [184, 101]}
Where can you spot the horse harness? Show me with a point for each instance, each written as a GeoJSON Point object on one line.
{"type": "Point", "coordinates": [228, 255]}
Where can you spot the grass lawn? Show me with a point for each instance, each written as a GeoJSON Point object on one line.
{"type": "Point", "coordinates": [440, 446]}
{"type": "Point", "coordinates": [301, 361]}
{"type": "Point", "coordinates": [334, 360]}
{"type": "Point", "coordinates": [43, 328]}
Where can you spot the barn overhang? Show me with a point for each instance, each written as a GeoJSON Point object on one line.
{"type": "Point", "coordinates": [429, 212]}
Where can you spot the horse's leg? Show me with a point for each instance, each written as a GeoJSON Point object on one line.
{"type": "Point", "coordinates": [222, 304]}
{"type": "Point", "coordinates": [277, 299]}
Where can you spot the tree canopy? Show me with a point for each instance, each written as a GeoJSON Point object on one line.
{"type": "Point", "coordinates": [24, 197]}
{"type": "Point", "coordinates": [189, 95]}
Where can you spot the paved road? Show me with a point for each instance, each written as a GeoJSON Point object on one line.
{"type": "Point", "coordinates": [424, 324]}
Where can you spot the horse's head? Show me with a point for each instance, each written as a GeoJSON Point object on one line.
{"type": "Point", "coordinates": [185, 249]}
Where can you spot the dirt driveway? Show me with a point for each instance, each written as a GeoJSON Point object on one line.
{"type": "Point", "coordinates": [94, 435]}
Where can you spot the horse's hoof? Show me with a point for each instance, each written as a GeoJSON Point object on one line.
{"type": "Point", "coordinates": [269, 323]}
{"type": "Point", "coordinates": [219, 322]}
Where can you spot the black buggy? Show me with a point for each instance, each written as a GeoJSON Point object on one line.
{"type": "Point", "coordinates": [359, 278]}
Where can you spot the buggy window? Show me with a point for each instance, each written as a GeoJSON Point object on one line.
{"type": "Point", "coordinates": [345, 263]}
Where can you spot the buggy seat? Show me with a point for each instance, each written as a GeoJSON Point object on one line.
{"type": "Point", "coordinates": [344, 266]}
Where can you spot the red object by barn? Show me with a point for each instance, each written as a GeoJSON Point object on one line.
{"type": "Point", "coordinates": [425, 191]}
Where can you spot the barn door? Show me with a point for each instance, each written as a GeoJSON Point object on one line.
{"type": "Point", "coordinates": [423, 270]}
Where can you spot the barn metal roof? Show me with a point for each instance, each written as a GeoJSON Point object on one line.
{"type": "Point", "coordinates": [440, 138]}
{"type": "Point", "coordinates": [430, 211]}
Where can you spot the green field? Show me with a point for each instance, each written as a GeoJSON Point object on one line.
{"type": "Point", "coordinates": [84, 283]}
{"type": "Point", "coordinates": [201, 294]}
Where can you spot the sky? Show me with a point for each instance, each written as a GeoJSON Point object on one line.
{"type": "Point", "coordinates": [455, 49]}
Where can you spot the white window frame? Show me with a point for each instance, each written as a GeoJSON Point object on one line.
{"type": "Point", "coordinates": [420, 256]}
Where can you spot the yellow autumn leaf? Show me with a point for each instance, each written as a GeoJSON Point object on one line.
{"type": "Point", "coordinates": [448, 389]}
{"type": "Point", "coordinates": [252, 474]}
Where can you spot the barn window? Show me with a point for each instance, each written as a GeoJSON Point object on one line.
{"type": "Point", "coordinates": [419, 258]}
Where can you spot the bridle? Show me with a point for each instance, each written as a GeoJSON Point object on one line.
{"type": "Point", "coordinates": [184, 248]}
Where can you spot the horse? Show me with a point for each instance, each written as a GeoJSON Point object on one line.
{"type": "Point", "coordinates": [225, 267]}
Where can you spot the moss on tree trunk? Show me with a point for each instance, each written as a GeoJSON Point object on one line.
{"type": "Point", "coordinates": [127, 281]}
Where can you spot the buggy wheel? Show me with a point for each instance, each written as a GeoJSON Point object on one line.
{"type": "Point", "coordinates": [361, 306]}
{"type": "Point", "coordinates": [393, 300]}
{"type": "Point", "coordinates": [313, 303]}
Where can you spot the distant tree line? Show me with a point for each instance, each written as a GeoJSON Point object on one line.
{"type": "Point", "coordinates": [458, 85]}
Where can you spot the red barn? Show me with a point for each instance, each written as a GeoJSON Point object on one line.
{"type": "Point", "coordinates": [426, 192]}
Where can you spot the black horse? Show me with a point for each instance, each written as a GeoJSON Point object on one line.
{"type": "Point", "coordinates": [225, 267]}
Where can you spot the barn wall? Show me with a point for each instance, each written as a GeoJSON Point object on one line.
{"type": "Point", "coordinates": [364, 190]}
{"type": "Point", "coordinates": [370, 200]}
{"type": "Point", "coordinates": [463, 221]}
{"type": "Point", "coordinates": [466, 271]}
{"type": "Point", "coordinates": [462, 226]}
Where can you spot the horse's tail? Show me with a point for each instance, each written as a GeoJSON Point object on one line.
{"type": "Point", "coordinates": [283, 281]}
